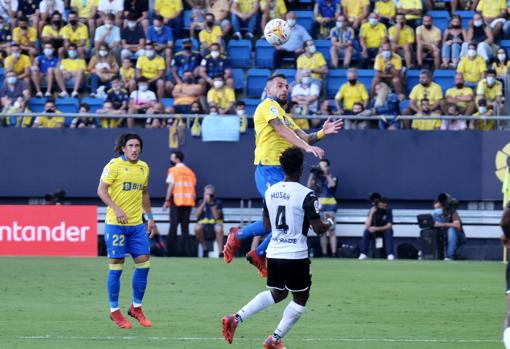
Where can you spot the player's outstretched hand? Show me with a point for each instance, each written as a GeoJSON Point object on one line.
{"type": "Point", "coordinates": [153, 228]}
{"type": "Point", "coordinates": [331, 127]}
{"type": "Point", "coordinates": [318, 152]}
{"type": "Point", "coordinates": [121, 216]}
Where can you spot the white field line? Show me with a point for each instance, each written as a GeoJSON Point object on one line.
{"type": "Point", "coordinates": [322, 339]}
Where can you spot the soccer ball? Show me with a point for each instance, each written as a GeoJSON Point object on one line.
{"type": "Point", "coordinates": [277, 32]}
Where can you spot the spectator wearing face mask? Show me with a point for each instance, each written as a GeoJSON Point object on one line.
{"type": "Point", "coordinates": [453, 125]}
{"type": "Point", "coordinates": [140, 100]}
{"type": "Point", "coordinates": [493, 13]}
{"type": "Point", "coordinates": [87, 12]}
{"type": "Point", "coordinates": [25, 36]}
{"type": "Point", "coordinates": [216, 64]}
{"type": "Point", "coordinates": [356, 11]}
{"type": "Point", "coordinates": [472, 66]}
{"type": "Point", "coordinates": [241, 112]}
{"type": "Point", "coordinates": [427, 124]}
{"type": "Point", "coordinates": [71, 70]}
{"type": "Point", "coordinates": [402, 39]}
{"type": "Point", "coordinates": [491, 90]}
{"type": "Point", "coordinates": [481, 35]}
{"type": "Point", "coordinates": [211, 33]}
{"type": "Point", "coordinates": [371, 36]}
{"type": "Point", "coordinates": [132, 38]}
{"type": "Point", "coordinates": [103, 68]}
{"type": "Point", "coordinates": [460, 96]}
{"type": "Point", "coordinates": [312, 63]}
{"type": "Point", "coordinates": [186, 93]}
{"type": "Point", "coordinates": [412, 9]}
{"type": "Point", "coordinates": [453, 38]}
{"type": "Point", "coordinates": [14, 93]}
{"type": "Point", "coordinates": [388, 68]}
{"type": "Point", "coordinates": [294, 46]}
{"type": "Point", "coordinates": [185, 61]}
{"type": "Point", "coordinates": [43, 67]}
{"type": "Point", "coordinates": [51, 31]}
{"type": "Point", "coordinates": [161, 37]}
{"type": "Point", "coordinates": [342, 38]}
{"type": "Point", "coordinates": [127, 73]}
{"type": "Point", "coordinates": [75, 33]}
{"type": "Point", "coordinates": [426, 89]}
{"type": "Point", "coordinates": [221, 96]}
{"type": "Point", "coordinates": [152, 67]}
{"type": "Point", "coordinates": [428, 41]}
{"type": "Point", "coordinates": [18, 63]}
{"type": "Point", "coordinates": [306, 95]}
{"type": "Point", "coordinates": [325, 13]}
{"type": "Point", "coordinates": [501, 64]}
{"type": "Point", "coordinates": [109, 34]}
{"type": "Point", "coordinates": [386, 10]}
{"type": "Point", "coordinates": [349, 93]}
{"type": "Point", "coordinates": [483, 125]}
{"type": "Point", "coordinates": [47, 8]}
{"type": "Point", "coordinates": [56, 121]}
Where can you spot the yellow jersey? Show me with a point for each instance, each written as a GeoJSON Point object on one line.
{"type": "Point", "coordinates": [168, 8]}
{"type": "Point", "coordinates": [20, 66]}
{"type": "Point", "coordinates": [127, 182]}
{"type": "Point", "coordinates": [73, 64]}
{"type": "Point", "coordinates": [426, 125]}
{"type": "Point", "coordinates": [276, 10]}
{"type": "Point", "coordinates": [50, 122]}
{"type": "Point", "coordinates": [501, 69]}
{"type": "Point", "coordinates": [314, 62]}
{"type": "Point", "coordinates": [209, 38]}
{"type": "Point", "coordinates": [354, 8]}
{"type": "Point", "coordinates": [150, 68]}
{"type": "Point", "coordinates": [489, 93]}
{"type": "Point", "coordinates": [386, 9]}
{"type": "Point", "coordinates": [374, 35]}
{"type": "Point", "coordinates": [350, 94]}
{"type": "Point", "coordinates": [222, 97]}
{"type": "Point", "coordinates": [75, 36]}
{"type": "Point", "coordinates": [268, 145]}
{"type": "Point", "coordinates": [411, 5]}
{"type": "Point", "coordinates": [245, 6]}
{"type": "Point", "coordinates": [433, 93]}
{"type": "Point", "coordinates": [459, 92]}
{"type": "Point", "coordinates": [127, 74]}
{"type": "Point", "coordinates": [491, 8]}
{"type": "Point", "coordinates": [472, 68]}
{"type": "Point", "coordinates": [380, 63]}
{"type": "Point", "coordinates": [49, 32]}
{"type": "Point", "coordinates": [84, 7]}
{"type": "Point", "coordinates": [24, 39]}
{"type": "Point", "coordinates": [406, 36]}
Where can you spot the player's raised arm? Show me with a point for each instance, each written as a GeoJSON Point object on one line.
{"type": "Point", "coordinates": [290, 136]}
{"type": "Point", "coordinates": [330, 127]}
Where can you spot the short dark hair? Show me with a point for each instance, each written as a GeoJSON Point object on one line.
{"type": "Point", "coordinates": [292, 160]}
{"type": "Point", "coordinates": [159, 18]}
{"type": "Point", "coordinates": [110, 16]}
{"type": "Point", "coordinates": [240, 104]}
{"type": "Point", "coordinates": [325, 160]}
{"type": "Point", "coordinates": [491, 72]}
{"type": "Point", "coordinates": [142, 79]}
{"type": "Point", "coordinates": [73, 13]}
{"type": "Point", "coordinates": [384, 200]}
{"type": "Point", "coordinates": [86, 106]}
{"type": "Point", "coordinates": [179, 155]}
{"type": "Point", "coordinates": [132, 16]}
{"type": "Point", "coordinates": [23, 18]}
{"type": "Point", "coordinates": [274, 76]}
{"type": "Point", "coordinates": [123, 139]}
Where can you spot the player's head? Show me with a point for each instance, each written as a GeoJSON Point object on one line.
{"type": "Point", "coordinates": [278, 88]}
{"type": "Point", "coordinates": [292, 162]}
{"type": "Point", "coordinates": [130, 145]}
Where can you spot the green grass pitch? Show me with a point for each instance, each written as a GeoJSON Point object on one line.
{"type": "Point", "coordinates": [61, 303]}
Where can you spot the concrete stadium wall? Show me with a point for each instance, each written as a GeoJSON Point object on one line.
{"type": "Point", "coordinates": [402, 165]}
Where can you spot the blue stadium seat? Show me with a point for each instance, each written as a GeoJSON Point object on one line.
{"type": "Point", "coordinates": [323, 47]}
{"type": "Point", "coordinates": [2, 76]}
{"type": "Point", "coordinates": [466, 16]}
{"type": "Point", "coordinates": [505, 44]}
{"type": "Point", "coordinates": [67, 105]}
{"type": "Point", "coordinates": [251, 105]}
{"type": "Point", "coordinates": [305, 18]}
{"type": "Point", "coordinates": [444, 78]}
{"type": "Point", "coordinates": [289, 73]}
{"type": "Point", "coordinates": [365, 76]}
{"type": "Point", "coordinates": [404, 104]}
{"type": "Point", "coordinates": [238, 76]}
{"type": "Point", "coordinates": [263, 54]}
{"type": "Point", "coordinates": [336, 78]}
{"type": "Point", "coordinates": [167, 102]}
{"type": "Point", "coordinates": [186, 18]}
{"type": "Point", "coordinates": [178, 45]}
{"type": "Point", "coordinates": [239, 52]}
{"type": "Point", "coordinates": [256, 82]}
{"type": "Point", "coordinates": [36, 104]}
{"type": "Point", "coordinates": [94, 103]}
{"type": "Point", "coordinates": [412, 79]}
{"type": "Point", "coordinates": [441, 19]}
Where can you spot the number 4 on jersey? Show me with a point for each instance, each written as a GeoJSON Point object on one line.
{"type": "Point", "coordinates": [281, 223]}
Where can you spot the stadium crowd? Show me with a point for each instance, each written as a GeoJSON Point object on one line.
{"type": "Point", "coordinates": [120, 57]}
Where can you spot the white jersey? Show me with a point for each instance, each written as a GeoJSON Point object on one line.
{"type": "Point", "coordinates": [290, 207]}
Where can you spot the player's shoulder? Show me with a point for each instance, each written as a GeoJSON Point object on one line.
{"type": "Point", "coordinates": [268, 105]}
{"type": "Point", "coordinates": [143, 164]}
{"type": "Point", "coordinates": [114, 162]}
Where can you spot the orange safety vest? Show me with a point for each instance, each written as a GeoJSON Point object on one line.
{"type": "Point", "coordinates": [183, 192]}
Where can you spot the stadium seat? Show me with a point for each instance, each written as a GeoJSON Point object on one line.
{"type": "Point", "coordinates": [412, 79]}
{"type": "Point", "coordinates": [94, 103]}
{"type": "Point", "coordinates": [178, 45]}
{"type": "Point", "coordinates": [403, 105]}
{"type": "Point", "coordinates": [187, 19]}
{"type": "Point", "coordinates": [36, 104]}
{"type": "Point", "coordinates": [167, 102]}
{"type": "Point", "coordinates": [305, 18]}
{"type": "Point", "coordinates": [365, 76]}
{"type": "Point", "coordinates": [466, 16]}
{"type": "Point", "coordinates": [251, 105]}
{"type": "Point", "coordinates": [2, 76]}
{"type": "Point", "coordinates": [289, 73]}
{"type": "Point", "coordinates": [238, 76]}
{"type": "Point", "coordinates": [444, 78]}
{"type": "Point", "coordinates": [505, 44]}
{"type": "Point", "coordinates": [323, 47]}
{"type": "Point", "coordinates": [67, 105]}
{"type": "Point", "coordinates": [256, 82]}
{"type": "Point", "coordinates": [336, 78]}
{"type": "Point", "coordinates": [239, 52]}
{"type": "Point", "coordinates": [441, 19]}
{"type": "Point", "coordinates": [263, 54]}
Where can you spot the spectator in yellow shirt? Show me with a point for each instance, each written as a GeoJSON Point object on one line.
{"type": "Point", "coordinates": [501, 64]}
{"type": "Point", "coordinates": [87, 12]}
{"type": "Point", "coordinates": [491, 90]}
{"type": "Point", "coordinates": [461, 96]}
{"type": "Point", "coordinates": [221, 96]}
{"type": "Point", "coordinates": [210, 34]}
{"type": "Point", "coordinates": [387, 10]}
{"type": "Point", "coordinates": [72, 70]}
{"type": "Point", "coordinates": [428, 40]}
{"type": "Point", "coordinates": [152, 67]}
{"type": "Point", "coordinates": [50, 121]}
{"type": "Point", "coordinates": [483, 125]}
{"type": "Point", "coordinates": [51, 31]}
{"type": "Point", "coordinates": [244, 12]}
{"type": "Point", "coordinates": [18, 63]}
{"type": "Point", "coordinates": [426, 89]}
{"type": "Point", "coordinates": [493, 13]}
{"type": "Point", "coordinates": [472, 66]}
{"type": "Point", "coordinates": [425, 124]}
{"type": "Point", "coordinates": [171, 10]}
{"type": "Point", "coordinates": [350, 93]}
{"type": "Point", "coordinates": [480, 34]}
{"type": "Point", "coordinates": [271, 9]}
{"type": "Point", "coordinates": [311, 62]}
{"type": "Point", "coordinates": [462, 5]}
{"type": "Point", "coordinates": [75, 33]}
{"type": "Point", "coordinates": [356, 11]}
{"type": "Point", "coordinates": [371, 36]}
{"type": "Point", "coordinates": [402, 38]}
{"type": "Point", "coordinates": [412, 9]}
{"type": "Point", "coordinates": [25, 37]}
{"type": "Point", "coordinates": [388, 69]}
